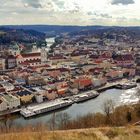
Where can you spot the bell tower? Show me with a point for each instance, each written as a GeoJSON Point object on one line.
{"type": "Point", "coordinates": [44, 55]}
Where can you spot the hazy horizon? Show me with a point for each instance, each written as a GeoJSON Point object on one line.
{"type": "Point", "coordinates": [4, 25]}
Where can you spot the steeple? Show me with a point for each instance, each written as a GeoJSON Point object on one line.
{"type": "Point", "coordinates": [34, 48]}
{"type": "Point", "coordinates": [44, 55]}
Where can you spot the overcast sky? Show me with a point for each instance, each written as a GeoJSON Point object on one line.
{"type": "Point", "coordinates": [70, 12]}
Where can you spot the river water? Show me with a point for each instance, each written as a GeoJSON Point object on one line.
{"type": "Point", "coordinates": [50, 41]}
{"type": "Point", "coordinates": [119, 97]}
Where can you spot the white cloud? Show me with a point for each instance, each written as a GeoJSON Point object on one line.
{"type": "Point", "coordinates": [72, 12]}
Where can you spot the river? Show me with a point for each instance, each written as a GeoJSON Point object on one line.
{"type": "Point", "coordinates": [119, 97]}
{"type": "Point", "coordinates": [50, 41]}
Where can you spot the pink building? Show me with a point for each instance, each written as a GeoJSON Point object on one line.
{"type": "Point", "coordinates": [29, 59]}
{"type": "Point", "coordinates": [124, 60]}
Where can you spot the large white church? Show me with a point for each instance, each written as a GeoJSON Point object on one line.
{"type": "Point", "coordinates": [37, 56]}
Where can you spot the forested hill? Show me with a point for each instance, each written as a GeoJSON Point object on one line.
{"type": "Point", "coordinates": [33, 33]}
{"type": "Point", "coordinates": [53, 30]}
{"type": "Point", "coordinates": [8, 35]}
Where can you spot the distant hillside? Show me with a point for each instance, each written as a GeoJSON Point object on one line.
{"type": "Point", "coordinates": [53, 30]}
{"type": "Point", "coordinates": [8, 35]}
{"type": "Point", "coordinates": [109, 32]}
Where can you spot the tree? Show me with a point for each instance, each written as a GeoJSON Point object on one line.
{"type": "Point", "coordinates": [138, 94]}
{"type": "Point", "coordinates": [128, 116]}
{"type": "Point", "coordinates": [108, 108]}
{"type": "Point", "coordinates": [8, 122]}
{"type": "Point", "coordinates": [52, 122]}
{"type": "Point", "coordinates": [62, 120]}
{"type": "Point", "coordinates": [138, 107]}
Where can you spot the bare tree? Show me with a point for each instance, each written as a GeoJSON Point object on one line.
{"type": "Point", "coordinates": [8, 122]}
{"type": "Point", "coordinates": [62, 120]}
{"type": "Point", "coordinates": [138, 94]}
{"type": "Point", "coordinates": [108, 108]}
{"type": "Point", "coordinates": [52, 122]}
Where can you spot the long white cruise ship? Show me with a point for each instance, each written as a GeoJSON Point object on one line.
{"type": "Point", "coordinates": [45, 107]}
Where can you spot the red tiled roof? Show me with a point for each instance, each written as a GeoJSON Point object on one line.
{"type": "Point", "coordinates": [80, 52]}
{"type": "Point", "coordinates": [2, 90]}
{"type": "Point", "coordinates": [58, 56]}
{"type": "Point", "coordinates": [59, 69]}
{"type": "Point", "coordinates": [94, 56]}
{"type": "Point", "coordinates": [64, 69]}
{"type": "Point", "coordinates": [61, 91]}
{"type": "Point", "coordinates": [31, 55]}
{"type": "Point", "coordinates": [126, 57]}
{"type": "Point", "coordinates": [24, 63]}
{"type": "Point", "coordinates": [42, 66]}
{"type": "Point", "coordinates": [98, 61]}
{"type": "Point", "coordinates": [31, 61]}
{"type": "Point", "coordinates": [105, 55]}
{"type": "Point", "coordinates": [84, 81]}
{"type": "Point", "coordinates": [19, 56]}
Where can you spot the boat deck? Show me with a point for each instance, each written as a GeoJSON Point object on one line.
{"type": "Point", "coordinates": [47, 106]}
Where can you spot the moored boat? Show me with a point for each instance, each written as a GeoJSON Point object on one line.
{"type": "Point", "coordinates": [85, 96]}
{"type": "Point", "coordinates": [45, 107]}
{"type": "Point", "coordinates": [126, 85]}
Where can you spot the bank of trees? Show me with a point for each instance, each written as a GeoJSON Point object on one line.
{"type": "Point", "coordinates": [111, 116]}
